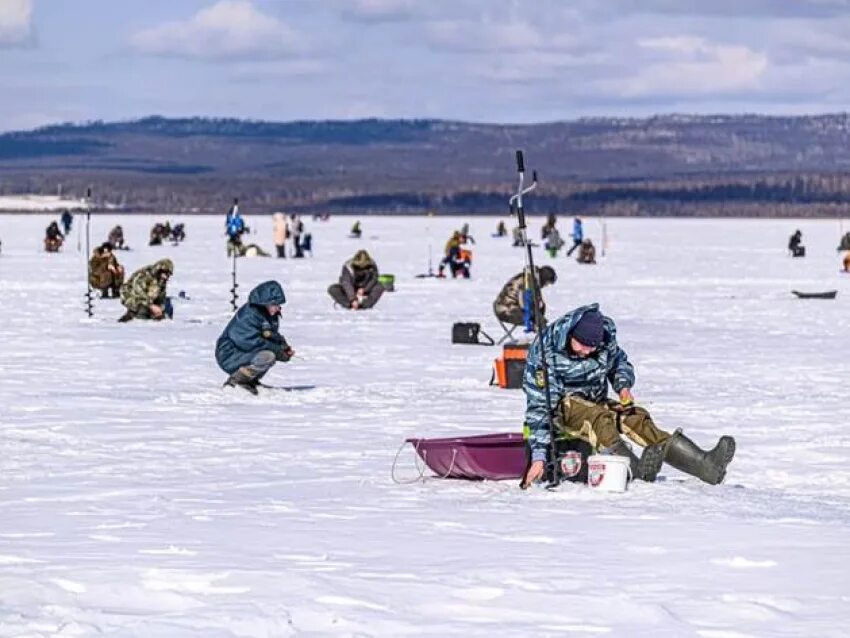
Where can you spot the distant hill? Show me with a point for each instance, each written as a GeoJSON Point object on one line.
{"type": "Point", "coordinates": [682, 165]}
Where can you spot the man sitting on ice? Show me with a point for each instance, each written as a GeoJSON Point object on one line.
{"type": "Point", "coordinates": [582, 359]}
{"type": "Point", "coordinates": [358, 287]}
{"type": "Point", "coordinates": [251, 343]}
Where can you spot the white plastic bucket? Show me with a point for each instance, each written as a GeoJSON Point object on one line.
{"type": "Point", "coordinates": [608, 472]}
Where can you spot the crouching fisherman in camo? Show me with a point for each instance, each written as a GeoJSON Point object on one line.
{"type": "Point", "coordinates": [251, 344]}
{"type": "Point", "coordinates": [144, 294]}
{"type": "Point", "coordinates": [583, 358]}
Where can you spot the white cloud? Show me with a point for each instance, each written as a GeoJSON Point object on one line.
{"type": "Point", "coordinates": [378, 10]}
{"type": "Point", "coordinates": [229, 29]}
{"type": "Point", "coordinates": [462, 35]}
{"type": "Point", "coordinates": [15, 22]}
{"type": "Point", "coordinates": [683, 65]}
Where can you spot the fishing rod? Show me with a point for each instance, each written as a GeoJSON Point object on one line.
{"type": "Point", "coordinates": [516, 205]}
{"type": "Point", "coordinates": [89, 305]}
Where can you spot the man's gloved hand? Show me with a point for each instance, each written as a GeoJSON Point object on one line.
{"type": "Point", "coordinates": [286, 354]}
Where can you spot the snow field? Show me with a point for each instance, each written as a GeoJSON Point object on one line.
{"type": "Point", "coordinates": [139, 498]}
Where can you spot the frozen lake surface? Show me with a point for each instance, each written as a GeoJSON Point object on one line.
{"type": "Point", "coordinates": [139, 498]}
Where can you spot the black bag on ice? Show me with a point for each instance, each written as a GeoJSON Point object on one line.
{"type": "Point", "coordinates": [469, 333]}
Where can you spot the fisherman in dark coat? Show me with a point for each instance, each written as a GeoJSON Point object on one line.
{"type": "Point", "coordinates": [251, 343]}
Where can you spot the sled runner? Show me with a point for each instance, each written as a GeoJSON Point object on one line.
{"type": "Point", "coordinates": [829, 294]}
{"type": "Point", "coordinates": [492, 457]}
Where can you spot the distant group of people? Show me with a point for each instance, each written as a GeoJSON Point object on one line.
{"type": "Point", "coordinates": [166, 232]}
{"type": "Point", "coordinates": [287, 231]}
{"type": "Point", "coordinates": [553, 242]}
{"type": "Point", "coordinates": [291, 231]}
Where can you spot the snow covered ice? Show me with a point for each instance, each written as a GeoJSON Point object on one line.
{"type": "Point", "coordinates": [139, 498]}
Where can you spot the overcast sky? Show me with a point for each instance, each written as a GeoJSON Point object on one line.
{"type": "Point", "coordinates": [479, 60]}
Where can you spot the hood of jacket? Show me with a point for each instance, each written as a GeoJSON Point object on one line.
{"type": "Point", "coordinates": [267, 293]}
{"type": "Point", "coordinates": [164, 264]}
{"type": "Point", "coordinates": [362, 259]}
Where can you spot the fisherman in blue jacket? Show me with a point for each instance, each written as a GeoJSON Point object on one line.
{"type": "Point", "coordinates": [251, 344]}
{"type": "Point", "coordinates": [583, 358]}
{"type": "Point", "coordinates": [577, 235]}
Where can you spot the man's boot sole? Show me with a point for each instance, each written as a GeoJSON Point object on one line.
{"type": "Point", "coordinates": [650, 462]}
{"type": "Point", "coordinates": [727, 458]}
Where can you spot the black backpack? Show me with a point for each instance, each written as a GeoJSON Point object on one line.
{"type": "Point", "coordinates": [468, 333]}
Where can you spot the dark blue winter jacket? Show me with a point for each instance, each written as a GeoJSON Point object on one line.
{"type": "Point", "coordinates": [252, 329]}
{"type": "Point", "coordinates": [568, 374]}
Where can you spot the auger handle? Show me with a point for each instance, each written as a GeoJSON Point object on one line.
{"type": "Point", "coordinates": [520, 162]}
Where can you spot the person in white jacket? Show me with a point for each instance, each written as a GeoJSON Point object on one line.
{"type": "Point", "coordinates": [281, 234]}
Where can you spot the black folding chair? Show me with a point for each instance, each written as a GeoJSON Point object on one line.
{"type": "Point", "coordinates": [508, 330]}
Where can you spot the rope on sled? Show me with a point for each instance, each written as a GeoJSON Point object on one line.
{"type": "Point", "coordinates": [419, 469]}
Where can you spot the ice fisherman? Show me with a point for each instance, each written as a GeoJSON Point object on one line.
{"type": "Point", "coordinates": [587, 252]}
{"type": "Point", "coordinates": [549, 226]}
{"type": "Point", "coordinates": [116, 238]}
{"type": "Point", "coordinates": [231, 212]}
{"type": "Point", "coordinates": [145, 295]}
{"type": "Point", "coordinates": [577, 235]}
{"type": "Point", "coordinates": [251, 343]}
{"type": "Point", "coordinates": [795, 244]}
{"type": "Point", "coordinates": [297, 229]}
{"type": "Point", "coordinates": [178, 233]}
{"type": "Point", "coordinates": [53, 238]}
{"type": "Point", "coordinates": [105, 273]}
{"type": "Point", "coordinates": [583, 359]}
{"type": "Point", "coordinates": [554, 242]}
{"type": "Point", "coordinates": [358, 287]}
{"type": "Point", "coordinates": [159, 233]}
{"type": "Point", "coordinates": [67, 220]}
{"type": "Point", "coordinates": [235, 229]}
{"type": "Point", "coordinates": [510, 306]}
{"type": "Point", "coordinates": [457, 256]}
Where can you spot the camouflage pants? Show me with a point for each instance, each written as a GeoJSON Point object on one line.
{"type": "Point", "coordinates": [261, 363]}
{"type": "Point", "coordinates": [601, 425]}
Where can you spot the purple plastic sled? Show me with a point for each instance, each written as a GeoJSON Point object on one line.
{"type": "Point", "coordinates": [493, 457]}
